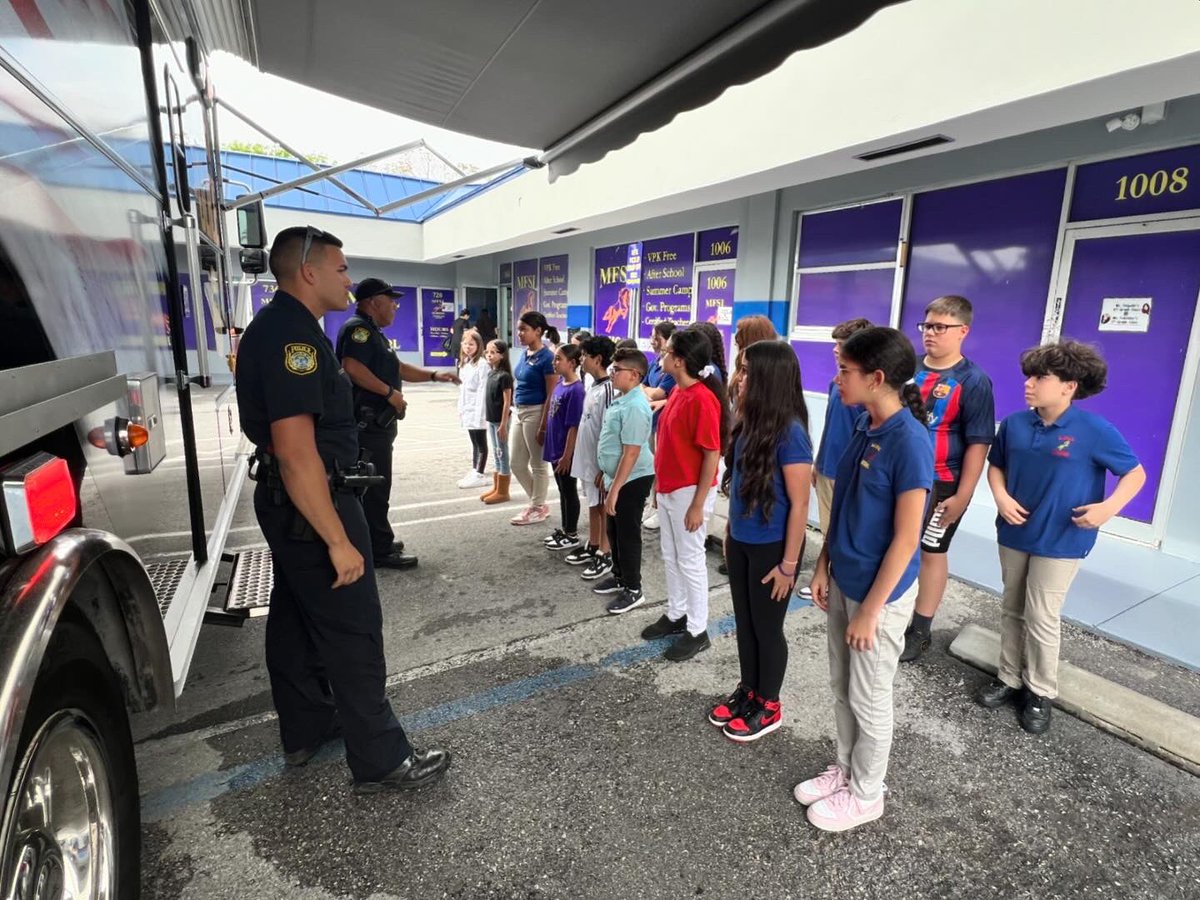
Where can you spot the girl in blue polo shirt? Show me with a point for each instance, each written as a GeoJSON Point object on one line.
{"type": "Point", "coordinates": [534, 383]}
{"type": "Point", "coordinates": [866, 576]}
{"type": "Point", "coordinates": [767, 474]}
{"type": "Point", "coordinates": [1046, 470]}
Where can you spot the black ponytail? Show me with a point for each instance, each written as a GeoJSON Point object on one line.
{"type": "Point", "coordinates": [551, 334]}
{"type": "Point", "coordinates": [911, 395]}
{"type": "Point", "coordinates": [888, 351]}
{"type": "Point", "coordinates": [693, 349]}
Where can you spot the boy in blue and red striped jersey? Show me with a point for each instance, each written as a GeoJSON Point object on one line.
{"type": "Point", "coordinates": [961, 416]}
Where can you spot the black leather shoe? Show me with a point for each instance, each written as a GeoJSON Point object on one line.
{"type": "Point", "coordinates": [397, 546]}
{"type": "Point", "coordinates": [663, 627]}
{"type": "Point", "coordinates": [301, 757]}
{"type": "Point", "coordinates": [915, 645]}
{"type": "Point", "coordinates": [687, 646]}
{"type": "Point", "coordinates": [423, 767]}
{"type": "Point", "coordinates": [396, 561]}
{"type": "Point", "coordinates": [995, 694]}
{"type": "Point", "coordinates": [1035, 713]}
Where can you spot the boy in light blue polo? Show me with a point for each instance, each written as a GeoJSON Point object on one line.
{"type": "Point", "coordinates": [1046, 470]}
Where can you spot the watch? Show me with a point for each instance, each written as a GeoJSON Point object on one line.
{"type": "Point", "coordinates": [432, 375]}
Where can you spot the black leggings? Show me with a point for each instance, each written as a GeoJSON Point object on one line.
{"type": "Point", "coordinates": [762, 647]}
{"type": "Point", "coordinates": [479, 448]}
{"type": "Point", "coordinates": [568, 502]}
{"type": "Point", "coordinates": [625, 532]}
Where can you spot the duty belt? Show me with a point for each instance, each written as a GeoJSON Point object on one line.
{"type": "Point", "coordinates": [353, 480]}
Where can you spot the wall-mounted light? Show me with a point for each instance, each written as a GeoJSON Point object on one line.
{"type": "Point", "coordinates": [1150, 114]}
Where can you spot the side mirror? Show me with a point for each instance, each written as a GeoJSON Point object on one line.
{"type": "Point", "coordinates": [253, 261]}
{"type": "Point", "coordinates": [252, 231]}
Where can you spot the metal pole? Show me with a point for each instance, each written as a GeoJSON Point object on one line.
{"type": "Point", "coordinates": [450, 185]}
{"type": "Point", "coordinates": [443, 159]}
{"type": "Point", "coordinates": [296, 153]}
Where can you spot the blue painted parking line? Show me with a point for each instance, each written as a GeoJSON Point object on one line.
{"type": "Point", "coordinates": [167, 802]}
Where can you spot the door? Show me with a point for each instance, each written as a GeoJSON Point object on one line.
{"type": "Point", "coordinates": [1132, 290]}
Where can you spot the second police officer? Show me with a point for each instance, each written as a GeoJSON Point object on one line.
{"type": "Point", "coordinates": [377, 373]}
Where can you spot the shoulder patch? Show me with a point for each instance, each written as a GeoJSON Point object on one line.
{"type": "Point", "coordinates": [300, 359]}
{"type": "Point", "coordinates": [359, 335]}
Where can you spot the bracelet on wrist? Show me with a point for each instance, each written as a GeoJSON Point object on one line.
{"type": "Point", "coordinates": [388, 395]}
{"type": "Point", "coordinates": [791, 574]}
{"type": "Point", "coordinates": [432, 376]}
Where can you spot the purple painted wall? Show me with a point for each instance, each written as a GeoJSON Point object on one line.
{"type": "Point", "coordinates": [853, 236]}
{"type": "Point", "coordinates": [827, 298]}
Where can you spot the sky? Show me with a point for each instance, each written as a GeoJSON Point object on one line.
{"type": "Point", "coordinates": [315, 122]}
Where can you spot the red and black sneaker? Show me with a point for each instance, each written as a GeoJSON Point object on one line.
{"type": "Point", "coordinates": [736, 704]}
{"type": "Point", "coordinates": [764, 718]}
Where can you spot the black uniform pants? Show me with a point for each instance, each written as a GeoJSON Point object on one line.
{"type": "Point", "coordinates": [324, 647]}
{"type": "Point", "coordinates": [375, 445]}
{"type": "Point", "coordinates": [625, 532]}
{"type": "Point", "coordinates": [762, 647]}
{"type": "Point", "coordinates": [568, 501]}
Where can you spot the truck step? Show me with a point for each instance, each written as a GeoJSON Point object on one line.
{"type": "Point", "coordinates": [250, 584]}
{"type": "Point", "coordinates": [165, 575]}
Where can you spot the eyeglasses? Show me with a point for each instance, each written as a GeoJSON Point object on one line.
{"type": "Point", "coordinates": [309, 233]}
{"type": "Point", "coordinates": [615, 369]}
{"type": "Point", "coordinates": [936, 327]}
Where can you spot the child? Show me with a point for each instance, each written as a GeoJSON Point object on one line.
{"type": "Point", "coordinates": [961, 417]}
{"type": "Point", "coordinates": [658, 386]}
{"type": "Point", "coordinates": [867, 571]}
{"type": "Point", "coordinates": [627, 473]}
{"type": "Point", "coordinates": [1046, 471]}
{"type": "Point", "coordinates": [498, 407]}
{"type": "Point", "coordinates": [835, 433]}
{"type": "Point", "coordinates": [533, 382]}
{"type": "Point", "coordinates": [627, 344]}
{"type": "Point", "coordinates": [767, 474]}
{"type": "Point", "coordinates": [472, 391]}
{"type": "Point", "coordinates": [562, 426]}
{"type": "Point", "coordinates": [692, 432]}
{"type": "Point", "coordinates": [596, 354]}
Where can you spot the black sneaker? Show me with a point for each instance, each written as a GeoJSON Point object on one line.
{"type": "Point", "coordinates": [664, 627]}
{"type": "Point", "coordinates": [609, 585]}
{"type": "Point", "coordinates": [736, 705]}
{"type": "Point", "coordinates": [582, 555]}
{"type": "Point", "coordinates": [687, 646]}
{"type": "Point", "coordinates": [565, 542]}
{"type": "Point", "coordinates": [915, 644]}
{"type": "Point", "coordinates": [600, 566]}
{"type": "Point", "coordinates": [625, 601]}
{"type": "Point", "coordinates": [765, 716]}
{"type": "Point", "coordinates": [996, 693]}
{"type": "Point", "coordinates": [554, 537]}
{"type": "Point", "coordinates": [1035, 713]}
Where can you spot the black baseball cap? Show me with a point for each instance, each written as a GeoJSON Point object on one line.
{"type": "Point", "coordinates": [370, 287]}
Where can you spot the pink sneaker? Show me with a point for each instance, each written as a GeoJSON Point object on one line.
{"type": "Point", "coordinates": [841, 811]}
{"type": "Point", "coordinates": [831, 780]}
{"type": "Point", "coordinates": [545, 510]}
{"type": "Point", "coordinates": [539, 513]}
{"type": "Point", "coordinates": [526, 516]}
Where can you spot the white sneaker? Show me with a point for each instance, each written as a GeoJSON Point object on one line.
{"type": "Point", "coordinates": [651, 521]}
{"type": "Point", "coordinates": [474, 479]}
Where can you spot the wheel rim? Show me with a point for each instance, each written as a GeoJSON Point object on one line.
{"type": "Point", "coordinates": [59, 823]}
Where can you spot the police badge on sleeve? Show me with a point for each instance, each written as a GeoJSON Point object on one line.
{"type": "Point", "coordinates": [300, 359]}
{"type": "Point", "coordinates": [359, 335]}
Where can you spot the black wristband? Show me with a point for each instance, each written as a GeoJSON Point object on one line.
{"type": "Point", "coordinates": [432, 375]}
{"type": "Point", "coordinates": [391, 390]}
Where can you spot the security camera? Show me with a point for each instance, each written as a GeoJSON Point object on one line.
{"type": "Point", "coordinates": [1128, 122]}
{"type": "Point", "coordinates": [1113, 124]}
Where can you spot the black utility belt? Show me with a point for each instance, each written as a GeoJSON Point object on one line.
{"type": "Point", "coordinates": [352, 479]}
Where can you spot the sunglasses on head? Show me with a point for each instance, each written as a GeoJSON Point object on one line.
{"type": "Point", "coordinates": [310, 233]}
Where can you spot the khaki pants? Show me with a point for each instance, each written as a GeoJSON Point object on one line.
{"type": "Point", "coordinates": [1031, 619]}
{"type": "Point", "coordinates": [531, 471]}
{"type": "Point", "coordinates": [862, 688]}
{"type": "Point", "coordinates": [824, 501]}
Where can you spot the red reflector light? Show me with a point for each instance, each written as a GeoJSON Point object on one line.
{"type": "Point", "coordinates": [50, 499]}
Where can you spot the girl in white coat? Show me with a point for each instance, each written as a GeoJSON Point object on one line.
{"type": "Point", "coordinates": [472, 414]}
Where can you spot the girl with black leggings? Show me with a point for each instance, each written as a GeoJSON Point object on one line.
{"type": "Point", "coordinates": [767, 473]}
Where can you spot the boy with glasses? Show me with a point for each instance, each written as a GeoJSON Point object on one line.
{"type": "Point", "coordinates": [961, 415]}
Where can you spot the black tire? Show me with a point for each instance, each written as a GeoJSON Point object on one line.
{"type": "Point", "coordinates": [76, 675]}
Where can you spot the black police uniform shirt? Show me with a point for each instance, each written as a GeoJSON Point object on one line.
{"type": "Point", "coordinates": [361, 340]}
{"type": "Point", "coordinates": [285, 368]}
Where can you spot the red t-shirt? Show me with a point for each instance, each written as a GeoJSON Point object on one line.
{"type": "Point", "coordinates": [690, 423]}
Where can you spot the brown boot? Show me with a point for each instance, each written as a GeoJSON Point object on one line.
{"type": "Point", "coordinates": [501, 493]}
{"type": "Point", "coordinates": [495, 484]}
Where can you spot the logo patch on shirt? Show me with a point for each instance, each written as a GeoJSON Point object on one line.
{"type": "Point", "coordinates": [359, 335]}
{"type": "Point", "coordinates": [300, 359]}
{"type": "Point", "coordinates": [1063, 448]}
{"type": "Point", "coordinates": [941, 391]}
{"type": "Point", "coordinates": [869, 455]}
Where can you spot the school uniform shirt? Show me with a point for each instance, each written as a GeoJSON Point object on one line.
{"type": "Point", "coordinates": [878, 466]}
{"type": "Point", "coordinates": [960, 411]}
{"type": "Point", "coordinates": [1052, 469]}
{"type": "Point", "coordinates": [566, 409]}
{"type": "Point", "coordinates": [498, 382]}
{"type": "Point", "coordinates": [597, 400]}
{"type": "Point", "coordinates": [752, 527]}
{"type": "Point", "coordinates": [690, 423]}
{"type": "Point", "coordinates": [472, 394]}
{"type": "Point", "coordinates": [530, 377]}
{"type": "Point", "coordinates": [626, 423]}
{"type": "Point", "coordinates": [657, 378]}
{"type": "Point", "coordinates": [839, 425]}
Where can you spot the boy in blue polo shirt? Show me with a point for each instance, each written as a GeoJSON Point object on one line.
{"type": "Point", "coordinates": [835, 433]}
{"type": "Point", "coordinates": [1046, 470]}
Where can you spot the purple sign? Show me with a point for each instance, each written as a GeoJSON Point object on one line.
{"type": "Point", "coordinates": [714, 301]}
{"type": "Point", "coordinates": [189, 312]}
{"type": "Point", "coordinates": [666, 291]}
{"type": "Point", "coordinates": [437, 320]}
{"type": "Point", "coordinates": [717, 244]}
{"type": "Point", "coordinates": [552, 284]}
{"type": "Point", "coordinates": [404, 332]}
{"type": "Point", "coordinates": [612, 295]}
{"type": "Point", "coordinates": [525, 290]}
{"type": "Point", "coordinates": [505, 273]}
{"type": "Point", "coordinates": [261, 293]}
{"type": "Point", "coordinates": [1168, 181]}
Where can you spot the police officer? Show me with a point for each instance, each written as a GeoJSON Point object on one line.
{"type": "Point", "coordinates": [377, 373]}
{"type": "Point", "coordinates": [324, 642]}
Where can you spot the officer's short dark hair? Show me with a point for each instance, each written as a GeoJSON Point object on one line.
{"type": "Point", "coordinates": [288, 248]}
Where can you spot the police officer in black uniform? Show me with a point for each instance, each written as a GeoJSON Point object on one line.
{"type": "Point", "coordinates": [373, 366]}
{"type": "Point", "coordinates": [324, 642]}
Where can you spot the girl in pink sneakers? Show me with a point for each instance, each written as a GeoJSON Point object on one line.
{"type": "Point", "coordinates": [866, 576]}
{"type": "Point", "coordinates": [767, 474]}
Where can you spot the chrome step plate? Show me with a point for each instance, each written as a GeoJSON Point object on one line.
{"type": "Point", "coordinates": [250, 587]}
{"type": "Point", "coordinates": [165, 575]}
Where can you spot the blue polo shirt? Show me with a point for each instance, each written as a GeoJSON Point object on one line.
{"type": "Point", "coordinates": [839, 425]}
{"type": "Point", "coordinates": [657, 378]}
{"type": "Point", "coordinates": [753, 527]}
{"type": "Point", "coordinates": [530, 377]}
{"type": "Point", "coordinates": [1050, 470]}
{"type": "Point", "coordinates": [878, 466]}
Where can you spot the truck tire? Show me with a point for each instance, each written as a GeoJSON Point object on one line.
{"type": "Point", "coordinates": [72, 827]}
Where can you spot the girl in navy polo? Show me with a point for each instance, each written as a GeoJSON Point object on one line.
{"type": "Point", "coordinates": [534, 383]}
{"type": "Point", "coordinates": [866, 576]}
{"type": "Point", "coordinates": [767, 474]}
{"type": "Point", "coordinates": [1046, 471]}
